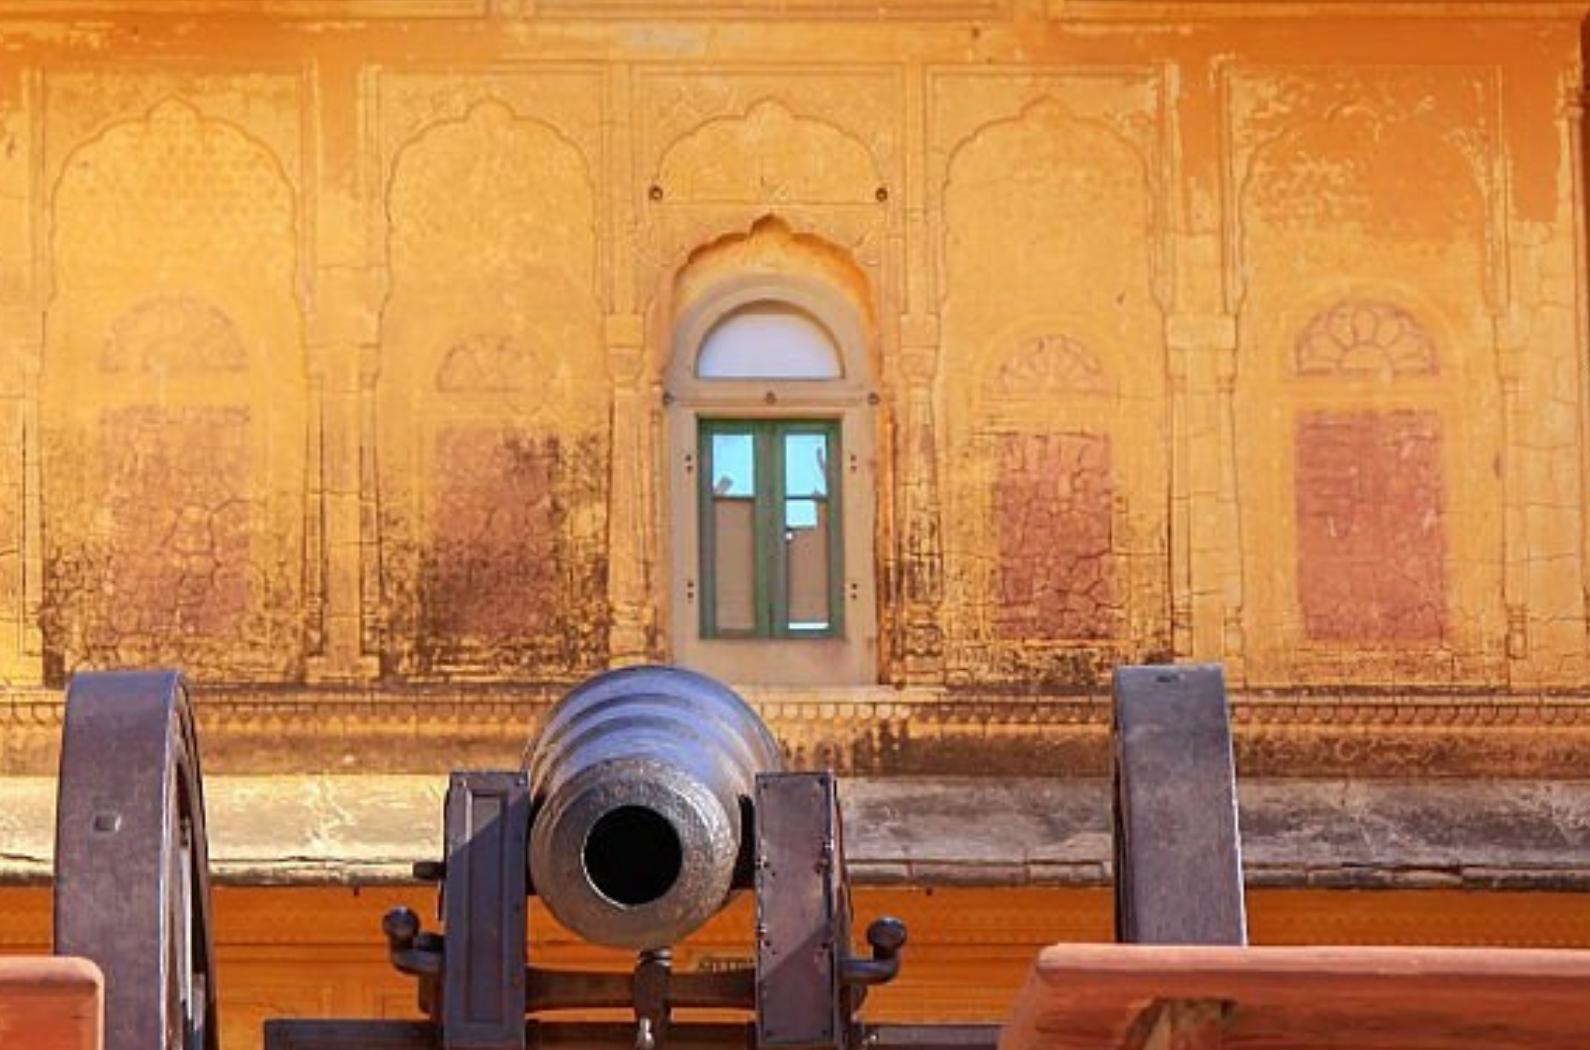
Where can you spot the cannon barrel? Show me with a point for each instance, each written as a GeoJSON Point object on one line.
{"type": "Point", "coordinates": [642, 780]}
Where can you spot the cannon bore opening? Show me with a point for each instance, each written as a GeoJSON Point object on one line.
{"type": "Point", "coordinates": [632, 855]}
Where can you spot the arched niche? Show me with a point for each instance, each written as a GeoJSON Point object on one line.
{"type": "Point", "coordinates": [175, 406]}
{"type": "Point", "coordinates": [1053, 403]}
{"type": "Point", "coordinates": [1370, 438]}
{"type": "Point", "coordinates": [792, 311]}
{"type": "Point", "coordinates": [492, 405]}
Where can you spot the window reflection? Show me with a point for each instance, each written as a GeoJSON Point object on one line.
{"type": "Point", "coordinates": [806, 464]}
{"type": "Point", "coordinates": [733, 465]}
{"type": "Point", "coordinates": [769, 554]}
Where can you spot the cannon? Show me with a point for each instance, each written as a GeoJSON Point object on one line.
{"type": "Point", "coordinates": [643, 783]}
{"type": "Point", "coordinates": [649, 797]}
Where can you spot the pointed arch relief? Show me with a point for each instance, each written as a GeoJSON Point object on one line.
{"type": "Point", "coordinates": [1390, 176]}
{"type": "Point", "coordinates": [805, 287]}
{"type": "Point", "coordinates": [1043, 200]}
{"type": "Point", "coordinates": [214, 198]}
{"type": "Point", "coordinates": [1045, 128]}
{"type": "Point", "coordinates": [768, 153]}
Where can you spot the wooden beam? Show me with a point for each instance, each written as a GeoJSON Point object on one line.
{"type": "Point", "coordinates": [51, 1003]}
{"type": "Point", "coordinates": [1090, 997]}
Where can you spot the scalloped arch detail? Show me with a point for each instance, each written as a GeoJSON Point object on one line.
{"type": "Point", "coordinates": [213, 190]}
{"type": "Point", "coordinates": [768, 154]}
{"type": "Point", "coordinates": [1365, 337]}
{"type": "Point", "coordinates": [497, 166]}
{"type": "Point", "coordinates": [1048, 366]}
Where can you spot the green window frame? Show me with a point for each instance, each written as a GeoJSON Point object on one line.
{"type": "Point", "coordinates": [769, 498]}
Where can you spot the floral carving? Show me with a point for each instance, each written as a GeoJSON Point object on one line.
{"type": "Point", "coordinates": [486, 364]}
{"type": "Point", "coordinates": [1048, 366]}
{"type": "Point", "coordinates": [1365, 336]}
{"type": "Point", "coordinates": [174, 334]}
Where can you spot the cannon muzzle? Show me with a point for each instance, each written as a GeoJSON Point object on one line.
{"type": "Point", "coordinates": [642, 781]}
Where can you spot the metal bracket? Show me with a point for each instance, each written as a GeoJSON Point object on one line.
{"type": "Point", "coordinates": [487, 824]}
{"type": "Point", "coordinates": [802, 912]}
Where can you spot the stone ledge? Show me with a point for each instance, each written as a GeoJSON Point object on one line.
{"type": "Point", "coordinates": [927, 831]}
{"type": "Point", "coordinates": [866, 731]}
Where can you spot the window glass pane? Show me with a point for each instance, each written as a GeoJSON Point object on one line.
{"type": "Point", "coordinates": [734, 564]}
{"type": "Point", "coordinates": [733, 465]}
{"type": "Point", "coordinates": [805, 464]}
{"type": "Point", "coordinates": [769, 340]}
{"type": "Point", "coordinates": [800, 513]}
{"type": "Point", "coordinates": [806, 554]}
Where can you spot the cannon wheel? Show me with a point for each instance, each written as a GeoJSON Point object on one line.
{"type": "Point", "coordinates": [132, 876]}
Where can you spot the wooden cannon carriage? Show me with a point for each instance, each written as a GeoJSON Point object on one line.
{"type": "Point", "coordinates": [132, 903]}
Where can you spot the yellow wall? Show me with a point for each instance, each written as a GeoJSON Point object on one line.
{"type": "Point", "coordinates": [1272, 325]}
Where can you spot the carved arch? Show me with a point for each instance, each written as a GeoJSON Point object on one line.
{"type": "Point", "coordinates": [162, 160]}
{"type": "Point", "coordinates": [1088, 163]}
{"type": "Point", "coordinates": [486, 156]}
{"type": "Point", "coordinates": [768, 153]}
{"type": "Point", "coordinates": [175, 510]}
{"type": "Point", "coordinates": [772, 261]}
{"type": "Point", "coordinates": [1399, 176]}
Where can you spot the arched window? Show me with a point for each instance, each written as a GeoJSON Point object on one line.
{"type": "Point", "coordinates": [768, 339]}
{"type": "Point", "coordinates": [772, 500]}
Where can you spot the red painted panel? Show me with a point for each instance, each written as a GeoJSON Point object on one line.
{"type": "Point", "coordinates": [177, 561]}
{"type": "Point", "coordinates": [1053, 508]}
{"type": "Point", "coordinates": [1370, 530]}
{"type": "Point", "coordinates": [492, 577]}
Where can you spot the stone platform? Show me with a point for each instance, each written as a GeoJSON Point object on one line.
{"type": "Point", "coordinates": [944, 831]}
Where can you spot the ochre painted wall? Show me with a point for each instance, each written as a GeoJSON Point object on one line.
{"type": "Point", "coordinates": [318, 952]}
{"type": "Point", "coordinates": [1230, 338]}
{"type": "Point", "coordinates": [333, 345]}
{"type": "Point", "coordinates": [335, 337]}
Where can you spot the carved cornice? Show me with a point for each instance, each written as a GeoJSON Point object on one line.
{"type": "Point", "coordinates": [866, 730]}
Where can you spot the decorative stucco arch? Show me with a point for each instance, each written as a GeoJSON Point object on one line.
{"type": "Point", "coordinates": [770, 264]}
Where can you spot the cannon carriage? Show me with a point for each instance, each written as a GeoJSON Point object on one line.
{"type": "Point", "coordinates": [650, 797]}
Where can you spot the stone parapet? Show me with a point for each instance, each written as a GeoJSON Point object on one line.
{"type": "Point", "coordinates": [927, 831]}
